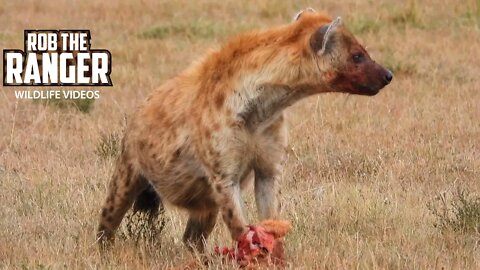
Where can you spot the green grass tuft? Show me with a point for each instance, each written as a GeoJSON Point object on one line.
{"type": "Point", "coordinates": [461, 213]}
{"type": "Point", "coordinates": [83, 105]}
{"type": "Point", "coordinates": [412, 15]}
{"type": "Point", "coordinates": [196, 29]}
{"type": "Point", "coordinates": [364, 25]}
{"type": "Point", "coordinates": [473, 13]}
{"type": "Point", "coordinates": [108, 146]}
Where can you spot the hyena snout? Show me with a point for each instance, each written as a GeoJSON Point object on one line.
{"type": "Point", "coordinates": [363, 79]}
{"type": "Point", "coordinates": [383, 78]}
{"type": "Point", "coordinates": [388, 77]}
{"type": "Point", "coordinates": [374, 78]}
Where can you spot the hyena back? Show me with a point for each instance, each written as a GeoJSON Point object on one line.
{"type": "Point", "coordinates": [196, 139]}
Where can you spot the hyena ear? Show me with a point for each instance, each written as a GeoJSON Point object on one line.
{"type": "Point", "coordinates": [322, 40]}
{"type": "Point", "coordinates": [299, 14]}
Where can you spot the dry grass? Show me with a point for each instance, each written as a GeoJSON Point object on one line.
{"type": "Point", "coordinates": [363, 172]}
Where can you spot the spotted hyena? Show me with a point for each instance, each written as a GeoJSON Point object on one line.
{"type": "Point", "coordinates": [198, 137]}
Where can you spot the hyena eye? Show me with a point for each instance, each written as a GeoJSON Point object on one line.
{"type": "Point", "coordinates": [358, 58]}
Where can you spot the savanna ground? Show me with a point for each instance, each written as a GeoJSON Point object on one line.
{"type": "Point", "coordinates": [390, 181]}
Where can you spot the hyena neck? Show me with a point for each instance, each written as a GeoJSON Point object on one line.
{"type": "Point", "coordinates": [263, 94]}
{"type": "Point", "coordinates": [273, 78]}
{"type": "Point", "coordinates": [267, 102]}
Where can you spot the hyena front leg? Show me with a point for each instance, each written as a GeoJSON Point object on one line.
{"type": "Point", "coordinates": [226, 191]}
{"type": "Point", "coordinates": [227, 162]}
{"type": "Point", "coordinates": [267, 192]}
{"type": "Point", "coordinates": [231, 205]}
{"type": "Point", "coordinates": [125, 186]}
{"type": "Point", "coordinates": [199, 227]}
{"type": "Point", "coordinates": [269, 170]}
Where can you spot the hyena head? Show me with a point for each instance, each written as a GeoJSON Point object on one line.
{"type": "Point", "coordinates": [345, 64]}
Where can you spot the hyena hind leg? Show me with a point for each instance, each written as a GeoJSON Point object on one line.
{"type": "Point", "coordinates": [126, 185]}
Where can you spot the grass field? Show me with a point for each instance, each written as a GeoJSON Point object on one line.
{"type": "Point", "coordinates": [384, 182]}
